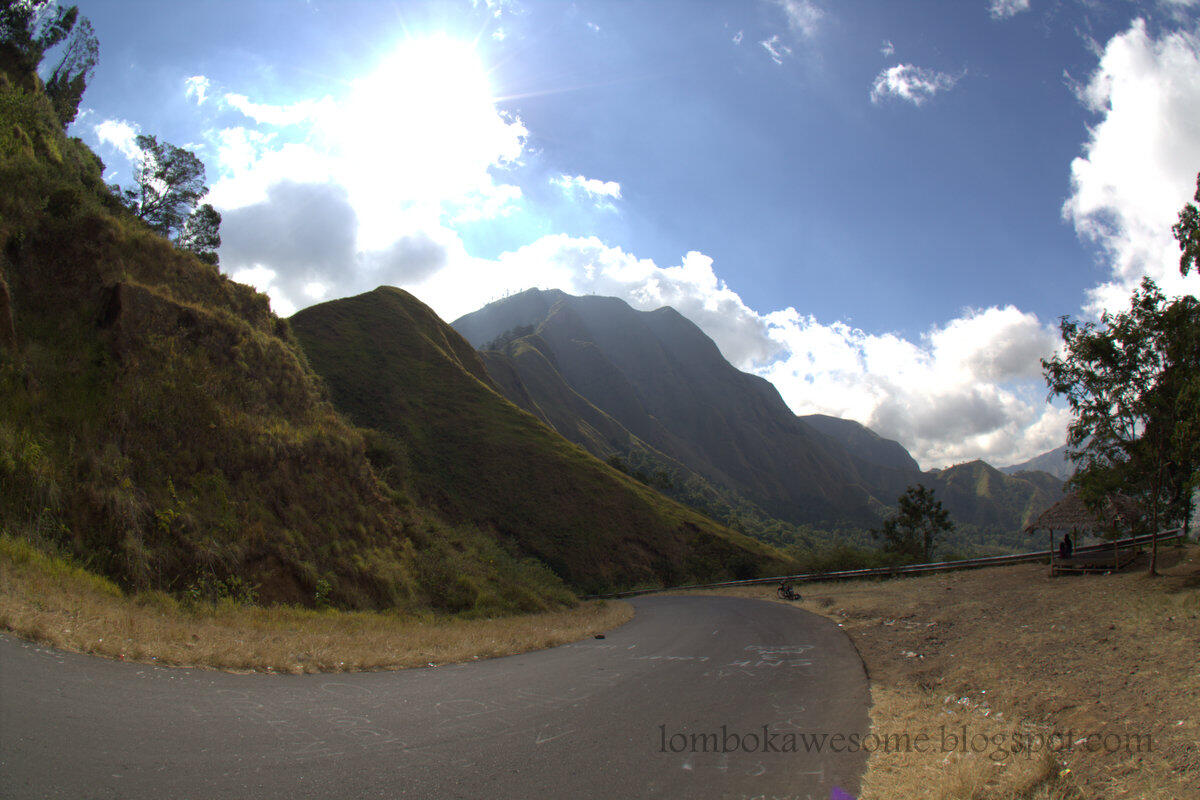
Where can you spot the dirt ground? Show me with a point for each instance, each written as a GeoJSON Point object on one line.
{"type": "Point", "coordinates": [1069, 687]}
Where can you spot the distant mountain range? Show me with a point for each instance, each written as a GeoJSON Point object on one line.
{"type": "Point", "coordinates": [1054, 462]}
{"type": "Point", "coordinates": [651, 391]}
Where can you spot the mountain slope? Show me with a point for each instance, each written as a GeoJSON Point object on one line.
{"type": "Point", "coordinates": [393, 366]}
{"type": "Point", "coordinates": [664, 383]}
{"type": "Point", "coordinates": [863, 442]}
{"type": "Point", "coordinates": [159, 424]}
{"type": "Point", "coordinates": [981, 498]}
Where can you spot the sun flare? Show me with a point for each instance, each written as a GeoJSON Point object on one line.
{"type": "Point", "coordinates": [425, 118]}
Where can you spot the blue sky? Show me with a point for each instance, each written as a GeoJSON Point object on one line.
{"type": "Point", "coordinates": [881, 206]}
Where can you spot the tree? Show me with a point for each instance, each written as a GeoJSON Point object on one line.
{"type": "Point", "coordinates": [70, 76]}
{"type": "Point", "coordinates": [918, 525]}
{"type": "Point", "coordinates": [201, 233]}
{"type": "Point", "coordinates": [1187, 233]}
{"type": "Point", "coordinates": [29, 28]}
{"type": "Point", "coordinates": [1131, 384]}
{"type": "Point", "coordinates": [170, 182]}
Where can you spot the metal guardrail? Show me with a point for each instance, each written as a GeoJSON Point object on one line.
{"type": "Point", "coordinates": [910, 569]}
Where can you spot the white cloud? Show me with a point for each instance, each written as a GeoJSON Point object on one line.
{"type": "Point", "coordinates": [913, 84]}
{"type": "Point", "coordinates": [602, 193]}
{"type": "Point", "coordinates": [776, 49]}
{"type": "Point", "coordinates": [402, 158]}
{"type": "Point", "coordinates": [802, 16]}
{"type": "Point", "coordinates": [120, 135]}
{"type": "Point", "coordinates": [966, 389]}
{"type": "Point", "coordinates": [300, 245]}
{"type": "Point", "coordinates": [196, 87]}
{"type": "Point", "coordinates": [278, 116]}
{"type": "Point", "coordinates": [887, 49]}
{"type": "Point", "coordinates": [1003, 9]}
{"type": "Point", "coordinates": [1140, 162]}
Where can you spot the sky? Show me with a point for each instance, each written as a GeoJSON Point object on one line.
{"type": "Point", "coordinates": [882, 207]}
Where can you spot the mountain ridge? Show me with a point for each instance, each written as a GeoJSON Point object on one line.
{"type": "Point", "coordinates": [658, 376]}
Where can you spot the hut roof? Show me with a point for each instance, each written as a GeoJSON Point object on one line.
{"type": "Point", "coordinates": [1071, 513]}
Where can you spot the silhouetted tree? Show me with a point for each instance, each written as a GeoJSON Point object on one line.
{"type": "Point", "coordinates": [70, 76]}
{"type": "Point", "coordinates": [201, 233]}
{"type": "Point", "coordinates": [170, 182]}
{"type": "Point", "coordinates": [918, 525]}
{"type": "Point", "coordinates": [29, 28]}
{"type": "Point", "coordinates": [1187, 233]}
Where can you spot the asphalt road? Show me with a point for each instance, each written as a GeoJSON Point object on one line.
{"type": "Point", "coordinates": [645, 712]}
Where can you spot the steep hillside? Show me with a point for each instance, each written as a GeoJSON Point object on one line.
{"type": "Point", "coordinates": [605, 375]}
{"type": "Point", "coordinates": [158, 423]}
{"type": "Point", "coordinates": [863, 442]}
{"type": "Point", "coordinates": [980, 497]}
{"type": "Point", "coordinates": [528, 379]}
{"type": "Point", "coordinates": [664, 381]}
{"type": "Point", "coordinates": [393, 366]}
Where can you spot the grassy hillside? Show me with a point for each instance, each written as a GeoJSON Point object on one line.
{"type": "Point", "coordinates": [161, 426]}
{"type": "Point", "coordinates": [444, 429]}
{"type": "Point", "coordinates": [992, 507]}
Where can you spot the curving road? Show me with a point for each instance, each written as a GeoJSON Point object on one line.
{"type": "Point", "coordinates": [641, 713]}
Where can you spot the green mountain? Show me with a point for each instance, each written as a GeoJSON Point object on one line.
{"type": "Point", "coordinates": [991, 507]}
{"type": "Point", "coordinates": [443, 428]}
{"type": "Point", "coordinates": [163, 427]}
{"type": "Point", "coordinates": [652, 390]}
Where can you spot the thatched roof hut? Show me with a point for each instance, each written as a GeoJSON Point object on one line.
{"type": "Point", "coordinates": [1071, 514]}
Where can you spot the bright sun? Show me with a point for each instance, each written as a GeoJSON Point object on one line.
{"type": "Point", "coordinates": [425, 116]}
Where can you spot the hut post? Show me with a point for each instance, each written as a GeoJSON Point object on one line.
{"type": "Point", "coordinates": [1050, 533]}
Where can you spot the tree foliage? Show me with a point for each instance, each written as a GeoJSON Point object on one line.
{"type": "Point", "coordinates": [1132, 382]}
{"type": "Point", "coordinates": [70, 76]}
{"type": "Point", "coordinates": [918, 526]}
{"type": "Point", "coordinates": [170, 184]}
{"type": "Point", "coordinates": [29, 28]}
{"type": "Point", "coordinates": [1187, 233]}
{"type": "Point", "coordinates": [201, 233]}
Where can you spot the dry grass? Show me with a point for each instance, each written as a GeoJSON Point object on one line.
{"type": "Point", "coordinates": [1009, 650]}
{"type": "Point", "coordinates": [50, 601]}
